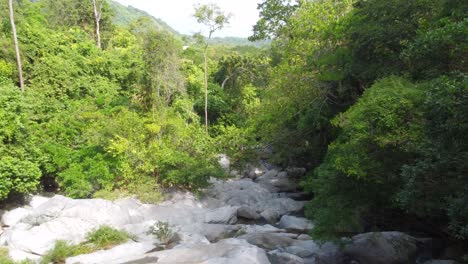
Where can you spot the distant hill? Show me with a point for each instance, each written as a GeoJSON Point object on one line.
{"type": "Point", "coordinates": [237, 41]}
{"type": "Point", "coordinates": [125, 15]}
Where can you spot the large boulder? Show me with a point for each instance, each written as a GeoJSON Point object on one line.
{"type": "Point", "coordinates": [295, 224]}
{"type": "Point", "coordinates": [253, 195]}
{"type": "Point", "coordinates": [278, 207]}
{"type": "Point", "coordinates": [35, 201]}
{"type": "Point", "coordinates": [249, 229]}
{"type": "Point", "coordinates": [326, 253]}
{"type": "Point", "coordinates": [302, 252]}
{"type": "Point", "coordinates": [281, 257]}
{"type": "Point", "coordinates": [119, 254]}
{"type": "Point", "coordinates": [248, 213]}
{"type": "Point", "coordinates": [14, 216]}
{"type": "Point", "coordinates": [223, 215]}
{"type": "Point", "coordinates": [228, 251]}
{"type": "Point", "coordinates": [180, 198]}
{"type": "Point", "coordinates": [271, 215]}
{"type": "Point", "coordinates": [212, 232]}
{"type": "Point", "coordinates": [268, 240]}
{"type": "Point", "coordinates": [382, 248]}
{"type": "Point", "coordinates": [40, 239]}
{"type": "Point", "coordinates": [276, 181]}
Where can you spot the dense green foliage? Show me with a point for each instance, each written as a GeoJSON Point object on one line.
{"type": "Point", "coordinates": [114, 119]}
{"type": "Point", "coordinates": [371, 96]}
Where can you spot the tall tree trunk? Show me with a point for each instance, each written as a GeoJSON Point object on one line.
{"type": "Point", "coordinates": [15, 38]}
{"type": "Point", "coordinates": [206, 88]}
{"type": "Point", "coordinates": [97, 18]}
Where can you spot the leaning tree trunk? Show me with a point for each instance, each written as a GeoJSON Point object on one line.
{"type": "Point", "coordinates": [206, 89]}
{"type": "Point", "coordinates": [15, 38]}
{"type": "Point", "coordinates": [97, 18]}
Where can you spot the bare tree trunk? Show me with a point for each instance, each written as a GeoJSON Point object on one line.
{"type": "Point", "coordinates": [97, 17]}
{"type": "Point", "coordinates": [15, 38]}
{"type": "Point", "coordinates": [206, 88]}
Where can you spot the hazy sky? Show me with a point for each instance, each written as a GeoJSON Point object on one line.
{"type": "Point", "coordinates": [178, 14]}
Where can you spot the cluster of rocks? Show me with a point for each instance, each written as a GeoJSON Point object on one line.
{"type": "Point", "coordinates": [256, 219]}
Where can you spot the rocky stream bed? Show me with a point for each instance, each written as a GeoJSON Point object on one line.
{"type": "Point", "coordinates": [252, 219]}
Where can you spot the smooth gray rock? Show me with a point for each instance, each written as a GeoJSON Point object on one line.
{"type": "Point", "coordinates": [261, 229]}
{"type": "Point", "coordinates": [300, 251]}
{"type": "Point", "coordinates": [382, 248]}
{"type": "Point", "coordinates": [304, 237]}
{"type": "Point", "coordinates": [229, 251]}
{"type": "Point", "coordinates": [327, 253]}
{"type": "Point", "coordinates": [271, 215]}
{"type": "Point", "coordinates": [280, 257]}
{"type": "Point", "coordinates": [270, 174]}
{"type": "Point", "coordinates": [223, 215]}
{"type": "Point", "coordinates": [212, 232]}
{"type": "Point", "coordinates": [276, 181]}
{"type": "Point", "coordinates": [295, 224]}
{"type": "Point", "coordinates": [248, 213]}
{"type": "Point", "coordinates": [268, 240]}
{"type": "Point", "coordinates": [247, 193]}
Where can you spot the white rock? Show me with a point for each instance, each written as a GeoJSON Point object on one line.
{"type": "Point", "coordinates": [268, 240]}
{"type": "Point", "coordinates": [35, 201]}
{"type": "Point", "coordinates": [300, 251]}
{"type": "Point", "coordinates": [224, 162]}
{"type": "Point", "coordinates": [226, 251]}
{"type": "Point", "coordinates": [248, 213]}
{"type": "Point", "coordinates": [192, 239]}
{"type": "Point", "coordinates": [14, 216]}
{"type": "Point", "coordinates": [119, 254]}
{"type": "Point", "coordinates": [40, 239]}
{"type": "Point", "coordinates": [223, 215]}
{"type": "Point", "coordinates": [212, 232]}
{"type": "Point", "coordinates": [249, 229]}
{"type": "Point", "coordinates": [19, 255]}
{"type": "Point", "coordinates": [279, 257]}
{"type": "Point", "coordinates": [180, 198]}
{"type": "Point", "coordinates": [298, 224]}
{"type": "Point", "coordinates": [304, 237]}
{"type": "Point", "coordinates": [387, 248]}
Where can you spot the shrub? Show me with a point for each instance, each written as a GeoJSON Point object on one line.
{"type": "Point", "coordinates": [111, 195]}
{"type": "Point", "coordinates": [163, 231]}
{"type": "Point", "coordinates": [106, 236]}
{"type": "Point", "coordinates": [19, 172]}
{"type": "Point", "coordinates": [102, 238]}
{"type": "Point", "coordinates": [63, 250]}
